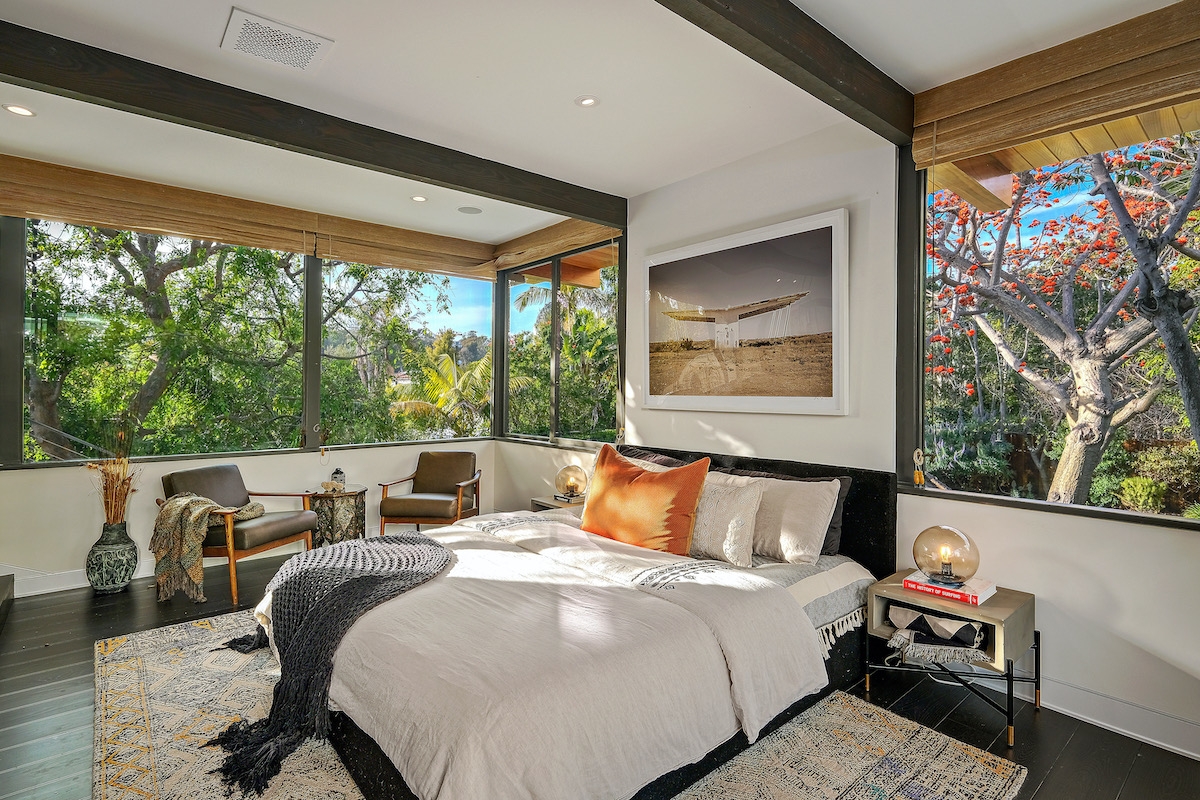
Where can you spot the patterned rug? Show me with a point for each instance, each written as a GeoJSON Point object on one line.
{"type": "Point", "coordinates": [161, 694]}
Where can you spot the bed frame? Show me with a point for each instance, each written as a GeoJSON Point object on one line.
{"type": "Point", "coordinates": [868, 536]}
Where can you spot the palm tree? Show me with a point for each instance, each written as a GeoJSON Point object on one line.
{"type": "Point", "coordinates": [456, 397]}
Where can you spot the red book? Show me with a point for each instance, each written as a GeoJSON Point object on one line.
{"type": "Point", "coordinates": [973, 592]}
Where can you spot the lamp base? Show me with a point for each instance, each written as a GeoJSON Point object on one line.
{"type": "Point", "coordinates": [949, 581]}
{"type": "Point", "coordinates": [570, 498]}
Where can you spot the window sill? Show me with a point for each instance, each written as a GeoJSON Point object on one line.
{"type": "Point", "coordinates": [245, 453]}
{"type": "Point", "coordinates": [1110, 514]}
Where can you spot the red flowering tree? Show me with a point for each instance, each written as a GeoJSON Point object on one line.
{"type": "Point", "coordinates": [1070, 297]}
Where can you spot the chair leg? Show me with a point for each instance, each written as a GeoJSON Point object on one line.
{"type": "Point", "coordinates": [233, 578]}
{"type": "Point", "coordinates": [382, 522]}
{"type": "Point", "coordinates": [308, 540]}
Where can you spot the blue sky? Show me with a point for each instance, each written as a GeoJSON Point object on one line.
{"type": "Point", "coordinates": [471, 308]}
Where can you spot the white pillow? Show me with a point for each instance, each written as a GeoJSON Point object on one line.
{"type": "Point", "coordinates": [724, 527]}
{"type": "Point", "coordinates": [792, 518]}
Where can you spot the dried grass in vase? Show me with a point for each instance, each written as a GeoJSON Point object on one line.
{"type": "Point", "coordinates": [116, 484]}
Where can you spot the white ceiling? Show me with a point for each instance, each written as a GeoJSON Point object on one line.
{"type": "Point", "coordinates": [925, 43]}
{"type": "Point", "coordinates": [498, 80]}
{"type": "Point", "coordinates": [88, 136]}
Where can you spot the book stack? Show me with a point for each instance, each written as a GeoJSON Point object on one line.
{"type": "Point", "coordinates": [973, 592]}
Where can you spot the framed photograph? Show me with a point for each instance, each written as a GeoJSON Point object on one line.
{"type": "Point", "coordinates": [755, 321]}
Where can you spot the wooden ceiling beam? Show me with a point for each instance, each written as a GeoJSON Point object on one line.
{"type": "Point", "coordinates": [984, 182]}
{"type": "Point", "coordinates": [785, 40]}
{"type": "Point", "coordinates": [59, 66]}
{"type": "Point", "coordinates": [562, 237]}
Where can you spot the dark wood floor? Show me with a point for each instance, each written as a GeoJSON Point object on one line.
{"type": "Point", "coordinates": [46, 695]}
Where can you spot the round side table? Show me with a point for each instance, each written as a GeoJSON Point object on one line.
{"type": "Point", "coordinates": [340, 515]}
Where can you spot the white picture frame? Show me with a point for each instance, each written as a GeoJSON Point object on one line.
{"type": "Point", "coordinates": [754, 346]}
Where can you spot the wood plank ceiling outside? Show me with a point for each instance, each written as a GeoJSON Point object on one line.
{"type": "Point", "coordinates": [38, 190]}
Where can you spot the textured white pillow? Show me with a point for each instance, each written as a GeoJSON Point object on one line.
{"type": "Point", "coordinates": [725, 522]}
{"type": "Point", "coordinates": [792, 517]}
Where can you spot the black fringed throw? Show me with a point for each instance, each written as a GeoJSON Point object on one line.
{"type": "Point", "coordinates": [315, 598]}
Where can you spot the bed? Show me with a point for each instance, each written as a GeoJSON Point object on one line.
{"type": "Point", "coordinates": [546, 663]}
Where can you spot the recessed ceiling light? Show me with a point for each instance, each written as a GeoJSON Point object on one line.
{"type": "Point", "coordinates": [586, 100]}
{"type": "Point", "coordinates": [419, 199]}
{"type": "Point", "coordinates": [470, 210]}
{"type": "Point", "coordinates": [20, 111]}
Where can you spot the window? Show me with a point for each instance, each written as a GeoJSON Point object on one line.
{"type": "Point", "coordinates": [159, 345]}
{"type": "Point", "coordinates": [563, 352]}
{"type": "Point", "coordinates": [403, 358]}
{"type": "Point", "coordinates": [530, 331]}
{"type": "Point", "coordinates": [185, 346]}
{"type": "Point", "coordinates": [587, 386]}
{"type": "Point", "coordinates": [1059, 342]}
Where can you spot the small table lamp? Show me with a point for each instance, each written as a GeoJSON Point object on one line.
{"type": "Point", "coordinates": [946, 555]}
{"type": "Point", "coordinates": [570, 483]}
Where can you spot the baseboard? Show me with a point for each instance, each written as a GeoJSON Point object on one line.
{"type": "Point", "coordinates": [30, 581]}
{"type": "Point", "coordinates": [7, 593]}
{"type": "Point", "coordinates": [1149, 725]}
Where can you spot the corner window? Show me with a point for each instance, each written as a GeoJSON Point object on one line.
{"type": "Point", "coordinates": [562, 359]}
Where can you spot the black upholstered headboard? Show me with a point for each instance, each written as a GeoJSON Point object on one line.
{"type": "Point", "coordinates": [869, 516]}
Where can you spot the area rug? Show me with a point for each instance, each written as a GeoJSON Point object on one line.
{"type": "Point", "coordinates": [161, 694]}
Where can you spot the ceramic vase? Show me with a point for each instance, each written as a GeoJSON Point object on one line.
{"type": "Point", "coordinates": [112, 560]}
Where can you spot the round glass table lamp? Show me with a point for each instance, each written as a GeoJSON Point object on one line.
{"type": "Point", "coordinates": [946, 555]}
{"type": "Point", "coordinates": [570, 482]}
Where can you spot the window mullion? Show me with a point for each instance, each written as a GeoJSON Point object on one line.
{"type": "Point", "coordinates": [555, 344]}
{"type": "Point", "coordinates": [12, 339]}
{"type": "Point", "coordinates": [313, 345]}
{"type": "Point", "coordinates": [910, 283]}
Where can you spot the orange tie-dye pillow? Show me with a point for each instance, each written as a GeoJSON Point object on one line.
{"type": "Point", "coordinates": [650, 509]}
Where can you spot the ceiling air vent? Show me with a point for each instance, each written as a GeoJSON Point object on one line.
{"type": "Point", "coordinates": [272, 41]}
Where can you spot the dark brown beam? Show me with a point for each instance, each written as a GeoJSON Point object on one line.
{"type": "Point", "coordinates": [781, 37]}
{"type": "Point", "coordinates": [59, 66]}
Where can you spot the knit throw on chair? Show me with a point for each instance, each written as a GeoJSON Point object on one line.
{"type": "Point", "coordinates": [178, 542]}
{"type": "Point", "coordinates": [314, 598]}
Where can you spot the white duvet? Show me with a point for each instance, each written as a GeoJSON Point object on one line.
{"type": "Point", "coordinates": [550, 663]}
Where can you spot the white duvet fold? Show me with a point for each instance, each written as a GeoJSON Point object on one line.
{"type": "Point", "coordinates": [771, 649]}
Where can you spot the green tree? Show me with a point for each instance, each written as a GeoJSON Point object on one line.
{"type": "Point", "coordinates": [449, 396]}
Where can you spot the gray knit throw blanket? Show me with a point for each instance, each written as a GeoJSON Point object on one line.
{"type": "Point", "coordinates": [178, 542]}
{"type": "Point", "coordinates": [315, 598]}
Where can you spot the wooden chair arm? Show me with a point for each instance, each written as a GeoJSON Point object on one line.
{"type": "Point", "coordinates": [393, 483]}
{"type": "Point", "coordinates": [402, 480]}
{"type": "Point", "coordinates": [307, 496]}
{"type": "Point", "coordinates": [475, 479]}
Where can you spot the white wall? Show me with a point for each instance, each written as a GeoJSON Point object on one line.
{"type": "Point", "coordinates": [1118, 603]}
{"type": "Point", "coordinates": [525, 470]}
{"type": "Point", "coordinates": [53, 515]}
{"type": "Point", "coordinates": [842, 166]}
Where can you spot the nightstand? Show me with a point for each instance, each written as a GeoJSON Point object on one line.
{"type": "Point", "coordinates": [1008, 621]}
{"type": "Point", "coordinates": [550, 501]}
